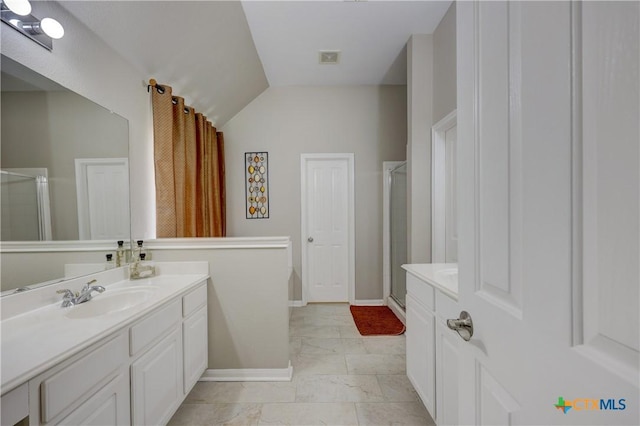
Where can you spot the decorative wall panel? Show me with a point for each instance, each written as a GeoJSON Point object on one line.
{"type": "Point", "coordinates": [257, 184]}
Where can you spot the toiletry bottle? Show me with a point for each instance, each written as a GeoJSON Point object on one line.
{"type": "Point", "coordinates": [147, 268]}
{"type": "Point", "coordinates": [110, 262]}
{"type": "Point", "coordinates": [120, 254]}
{"type": "Point", "coordinates": [138, 250]}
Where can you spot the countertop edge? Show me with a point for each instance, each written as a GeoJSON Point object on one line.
{"type": "Point", "coordinates": [429, 280]}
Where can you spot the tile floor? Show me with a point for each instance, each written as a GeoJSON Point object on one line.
{"type": "Point", "coordinates": [340, 378]}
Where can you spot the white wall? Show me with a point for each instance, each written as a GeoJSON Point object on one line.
{"type": "Point", "coordinates": [83, 63]}
{"type": "Point", "coordinates": [369, 121]}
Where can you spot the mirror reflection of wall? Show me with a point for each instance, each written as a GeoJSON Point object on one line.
{"type": "Point", "coordinates": [47, 126]}
{"type": "Point", "coordinates": [50, 132]}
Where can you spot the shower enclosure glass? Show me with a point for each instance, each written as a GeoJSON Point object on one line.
{"type": "Point", "coordinates": [398, 231]}
{"type": "Point", "coordinates": [25, 213]}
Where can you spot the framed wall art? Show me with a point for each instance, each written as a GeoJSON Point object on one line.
{"type": "Point", "coordinates": [256, 166]}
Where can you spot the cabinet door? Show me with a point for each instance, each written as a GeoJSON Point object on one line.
{"type": "Point", "coordinates": [421, 352]}
{"type": "Point", "coordinates": [447, 375]}
{"type": "Point", "coordinates": [156, 381]}
{"type": "Point", "coordinates": [108, 406]}
{"type": "Point", "coordinates": [196, 342]}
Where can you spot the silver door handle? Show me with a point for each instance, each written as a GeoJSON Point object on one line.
{"type": "Point", "coordinates": [310, 239]}
{"type": "Point", "coordinates": [463, 325]}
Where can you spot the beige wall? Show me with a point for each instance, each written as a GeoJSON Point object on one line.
{"type": "Point", "coordinates": [444, 65]}
{"type": "Point", "coordinates": [369, 121]}
{"type": "Point", "coordinates": [248, 308]}
{"type": "Point", "coordinates": [22, 269]}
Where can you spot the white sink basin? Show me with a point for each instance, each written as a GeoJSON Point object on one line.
{"type": "Point", "coordinates": [111, 301]}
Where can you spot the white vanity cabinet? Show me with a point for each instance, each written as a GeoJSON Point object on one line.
{"type": "Point", "coordinates": [420, 337]}
{"type": "Point", "coordinates": [67, 393]}
{"type": "Point", "coordinates": [195, 335]}
{"type": "Point", "coordinates": [432, 349]}
{"type": "Point", "coordinates": [139, 374]}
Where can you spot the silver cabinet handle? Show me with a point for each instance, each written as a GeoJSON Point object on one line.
{"type": "Point", "coordinates": [310, 239]}
{"type": "Point", "coordinates": [463, 325]}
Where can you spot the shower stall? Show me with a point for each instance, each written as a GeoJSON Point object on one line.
{"type": "Point", "coordinates": [398, 233]}
{"type": "Point", "coordinates": [25, 212]}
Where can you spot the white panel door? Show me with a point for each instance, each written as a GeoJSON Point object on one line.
{"type": "Point", "coordinates": [327, 212]}
{"type": "Point", "coordinates": [548, 172]}
{"type": "Point", "coordinates": [100, 181]}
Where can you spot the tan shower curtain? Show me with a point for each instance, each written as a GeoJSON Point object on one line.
{"type": "Point", "coordinates": [189, 166]}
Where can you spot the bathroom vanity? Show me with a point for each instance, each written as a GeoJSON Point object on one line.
{"type": "Point", "coordinates": [128, 356]}
{"type": "Point", "coordinates": [432, 348]}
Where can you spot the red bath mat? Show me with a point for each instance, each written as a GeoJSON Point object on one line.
{"type": "Point", "coordinates": [376, 321]}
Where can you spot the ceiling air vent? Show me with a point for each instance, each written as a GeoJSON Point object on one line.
{"type": "Point", "coordinates": [329, 56]}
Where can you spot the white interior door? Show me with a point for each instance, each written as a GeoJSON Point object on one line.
{"type": "Point", "coordinates": [327, 227]}
{"type": "Point", "coordinates": [548, 211]}
{"type": "Point", "coordinates": [100, 181]}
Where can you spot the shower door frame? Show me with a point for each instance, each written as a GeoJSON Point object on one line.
{"type": "Point", "coordinates": [387, 167]}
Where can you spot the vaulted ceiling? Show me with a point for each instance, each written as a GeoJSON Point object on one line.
{"type": "Point", "coordinates": [220, 55]}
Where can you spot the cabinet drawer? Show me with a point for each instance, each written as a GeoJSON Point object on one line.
{"type": "Point", "coordinates": [15, 405]}
{"type": "Point", "coordinates": [420, 291]}
{"type": "Point", "coordinates": [446, 307]}
{"type": "Point", "coordinates": [194, 300]}
{"type": "Point", "coordinates": [155, 325]}
{"type": "Point", "coordinates": [76, 379]}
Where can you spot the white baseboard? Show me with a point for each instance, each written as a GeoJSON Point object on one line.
{"type": "Point", "coordinates": [295, 303]}
{"type": "Point", "coordinates": [369, 302]}
{"type": "Point", "coordinates": [248, 375]}
{"type": "Point", "coordinates": [397, 310]}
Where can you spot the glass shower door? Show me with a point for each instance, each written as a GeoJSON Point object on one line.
{"type": "Point", "coordinates": [398, 231]}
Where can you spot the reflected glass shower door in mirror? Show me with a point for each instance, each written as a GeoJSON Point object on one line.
{"type": "Point", "coordinates": [398, 232]}
{"type": "Point", "coordinates": [26, 210]}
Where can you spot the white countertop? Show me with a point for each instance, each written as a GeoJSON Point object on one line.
{"type": "Point", "coordinates": [443, 276]}
{"type": "Point", "coordinates": [36, 340]}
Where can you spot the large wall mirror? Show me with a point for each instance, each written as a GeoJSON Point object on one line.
{"type": "Point", "coordinates": [64, 169]}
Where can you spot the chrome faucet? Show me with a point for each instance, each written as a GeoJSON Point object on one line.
{"type": "Point", "coordinates": [70, 299]}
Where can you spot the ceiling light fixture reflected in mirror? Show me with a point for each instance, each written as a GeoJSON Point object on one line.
{"type": "Point", "coordinates": [16, 14]}
{"type": "Point", "coordinates": [19, 7]}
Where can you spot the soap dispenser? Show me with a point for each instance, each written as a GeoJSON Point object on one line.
{"type": "Point", "coordinates": [110, 262]}
{"type": "Point", "coordinates": [139, 251]}
{"type": "Point", "coordinates": [121, 255]}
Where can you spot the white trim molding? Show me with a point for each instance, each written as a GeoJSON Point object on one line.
{"type": "Point", "coordinates": [350, 157]}
{"type": "Point", "coordinates": [218, 243]}
{"type": "Point", "coordinates": [296, 304]}
{"type": "Point", "coordinates": [58, 246]}
{"type": "Point", "coordinates": [248, 375]}
{"type": "Point", "coordinates": [369, 302]}
{"type": "Point", "coordinates": [397, 310]}
{"type": "Point", "coordinates": [438, 179]}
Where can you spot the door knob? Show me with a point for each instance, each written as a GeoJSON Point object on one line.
{"type": "Point", "coordinates": [463, 325]}
{"type": "Point", "coordinates": [310, 239]}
